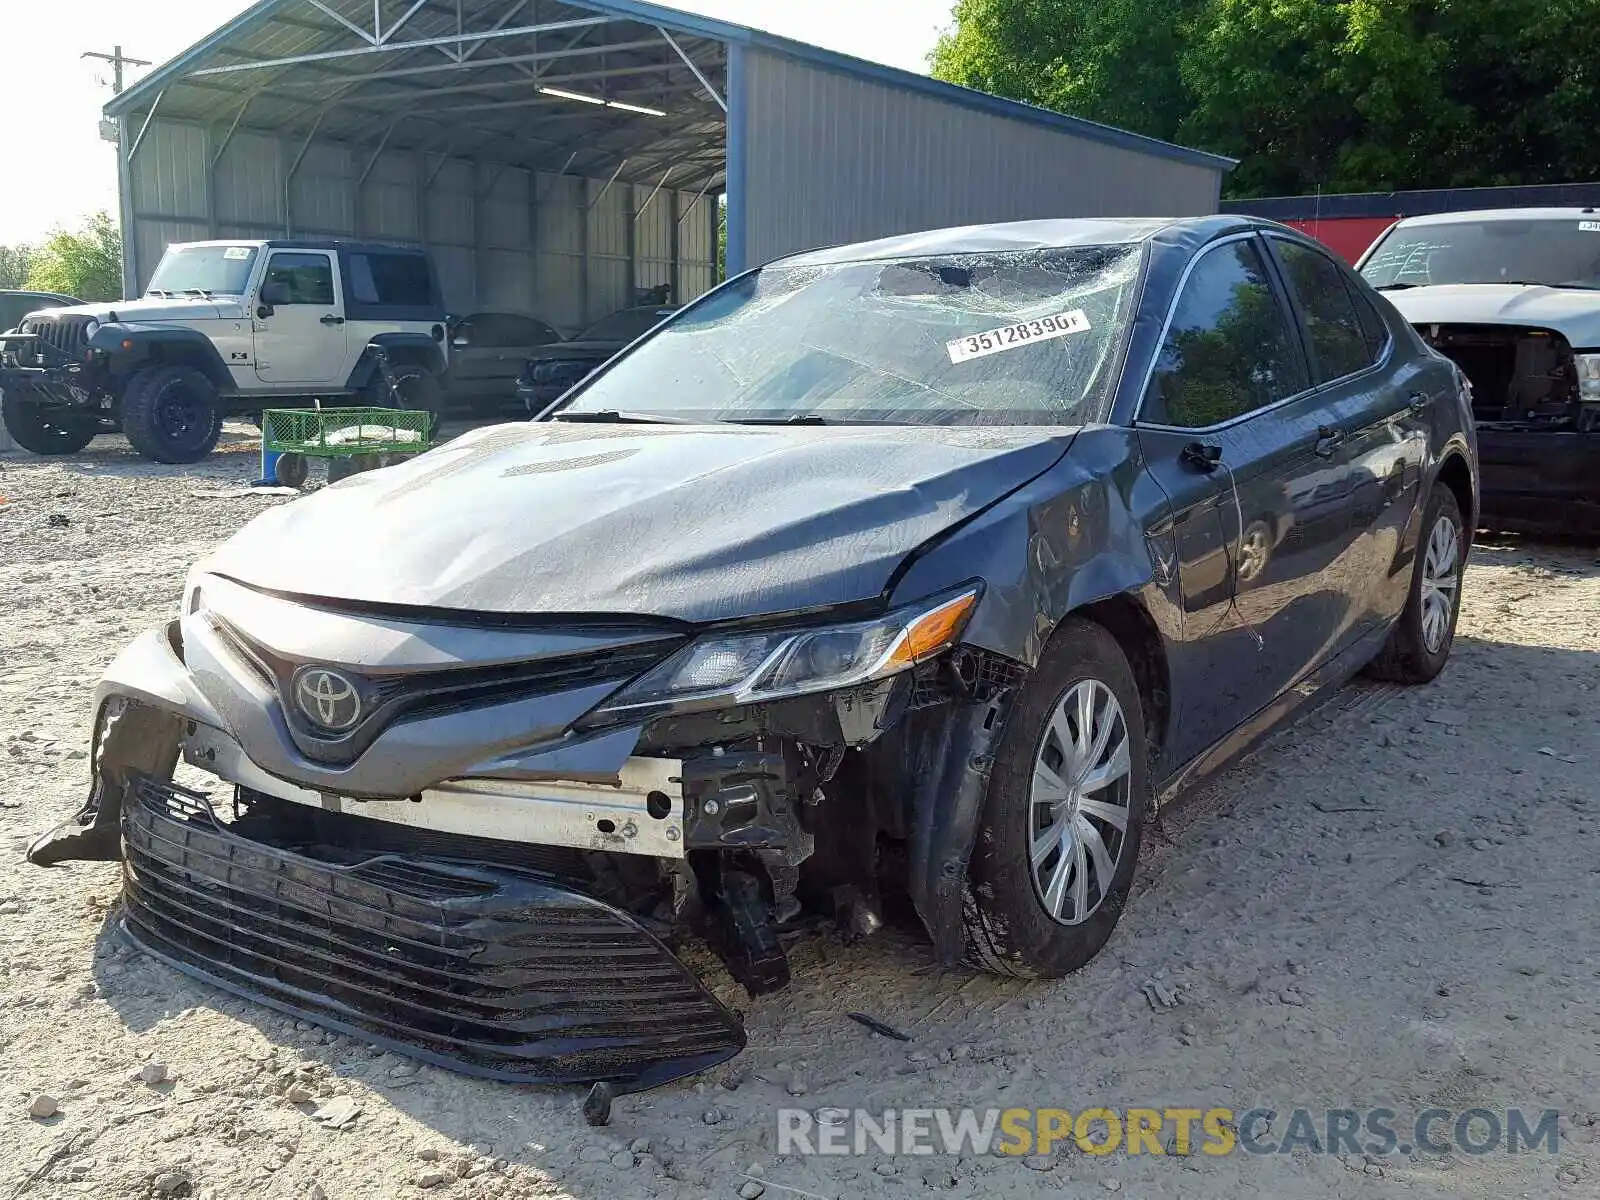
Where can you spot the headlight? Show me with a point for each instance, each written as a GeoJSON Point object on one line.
{"type": "Point", "coordinates": [725, 670]}
{"type": "Point", "coordinates": [1588, 376]}
{"type": "Point", "coordinates": [92, 328]}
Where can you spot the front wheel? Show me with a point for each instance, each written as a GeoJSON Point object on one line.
{"type": "Point", "coordinates": [1420, 642]}
{"type": "Point", "coordinates": [1059, 837]}
{"type": "Point", "coordinates": [171, 415]}
{"type": "Point", "coordinates": [45, 430]}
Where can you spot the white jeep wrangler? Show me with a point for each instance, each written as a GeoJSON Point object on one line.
{"type": "Point", "coordinates": [227, 329]}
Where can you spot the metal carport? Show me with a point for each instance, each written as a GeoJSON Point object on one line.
{"type": "Point", "coordinates": [563, 157]}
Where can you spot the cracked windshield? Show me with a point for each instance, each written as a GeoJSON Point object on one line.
{"type": "Point", "coordinates": [1026, 338]}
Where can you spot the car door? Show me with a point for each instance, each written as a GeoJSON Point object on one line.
{"type": "Point", "coordinates": [1229, 428]}
{"type": "Point", "coordinates": [303, 339]}
{"type": "Point", "coordinates": [1377, 403]}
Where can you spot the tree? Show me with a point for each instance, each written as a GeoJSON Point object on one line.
{"type": "Point", "coordinates": [86, 263]}
{"type": "Point", "coordinates": [1341, 95]}
{"type": "Point", "coordinates": [14, 263]}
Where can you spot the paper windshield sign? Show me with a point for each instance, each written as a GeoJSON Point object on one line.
{"type": "Point", "coordinates": [235, 253]}
{"type": "Point", "coordinates": [997, 341]}
{"type": "Point", "coordinates": [1589, 226]}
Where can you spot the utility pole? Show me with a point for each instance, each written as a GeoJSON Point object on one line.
{"type": "Point", "coordinates": [118, 61]}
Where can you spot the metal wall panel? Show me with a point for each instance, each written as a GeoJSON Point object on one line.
{"type": "Point", "coordinates": [561, 247]}
{"type": "Point", "coordinates": [830, 158]}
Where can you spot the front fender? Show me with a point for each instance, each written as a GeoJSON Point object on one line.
{"type": "Point", "coordinates": [130, 348]}
{"type": "Point", "coordinates": [1064, 543]}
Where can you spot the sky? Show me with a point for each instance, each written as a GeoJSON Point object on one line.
{"type": "Point", "coordinates": [46, 86]}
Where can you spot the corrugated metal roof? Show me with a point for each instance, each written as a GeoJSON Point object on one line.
{"type": "Point", "coordinates": [425, 80]}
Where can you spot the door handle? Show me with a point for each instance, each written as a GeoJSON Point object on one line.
{"type": "Point", "coordinates": [1329, 440]}
{"type": "Point", "coordinates": [330, 319]}
{"type": "Point", "coordinates": [1418, 403]}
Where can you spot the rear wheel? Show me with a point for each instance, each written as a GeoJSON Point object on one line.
{"type": "Point", "coordinates": [414, 389]}
{"type": "Point", "coordinates": [1420, 642]}
{"type": "Point", "coordinates": [171, 414]}
{"type": "Point", "coordinates": [45, 430]}
{"type": "Point", "coordinates": [1062, 819]}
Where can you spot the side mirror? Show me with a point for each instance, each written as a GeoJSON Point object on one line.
{"type": "Point", "coordinates": [273, 293]}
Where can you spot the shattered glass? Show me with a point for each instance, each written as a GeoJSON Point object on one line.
{"type": "Point", "coordinates": [1022, 338]}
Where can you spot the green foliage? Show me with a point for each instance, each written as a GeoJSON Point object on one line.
{"type": "Point", "coordinates": [14, 263]}
{"type": "Point", "coordinates": [86, 263]}
{"type": "Point", "coordinates": [1345, 95]}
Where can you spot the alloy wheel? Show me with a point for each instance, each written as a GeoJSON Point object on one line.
{"type": "Point", "coordinates": [1079, 810]}
{"type": "Point", "coordinates": [1441, 578]}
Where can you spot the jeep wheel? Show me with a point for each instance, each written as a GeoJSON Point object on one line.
{"type": "Point", "coordinates": [46, 430]}
{"type": "Point", "coordinates": [414, 389]}
{"type": "Point", "coordinates": [171, 414]}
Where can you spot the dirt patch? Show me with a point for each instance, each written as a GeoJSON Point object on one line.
{"type": "Point", "coordinates": [1396, 905]}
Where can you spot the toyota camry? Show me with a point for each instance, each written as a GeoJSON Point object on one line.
{"type": "Point", "coordinates": [930, 566]}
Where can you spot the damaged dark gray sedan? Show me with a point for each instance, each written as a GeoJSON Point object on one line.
{"type": "Point", "coordinates": [931, 565]}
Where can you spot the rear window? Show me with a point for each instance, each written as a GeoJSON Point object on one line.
{"type": "Point", "coordinates": [402, 280]}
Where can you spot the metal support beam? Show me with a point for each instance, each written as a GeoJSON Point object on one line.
{"type": "Point", "coordinates": [222, 148]}
{"type": "Point", "coordinates": [690, 63]}
{"type": "Point", "coordinates": [695, 203]}
{"type": "Point", "coordinates": [377, 153]}
{"type": "Point", "coordinates": [651, 197]}
{"type": "Point", "coordinates": [294, 169]}
{"type": "Point", "coordinates": [614, 176]}
{"type": "Point", "coordinates": [149, 117]}
{"type": "Point", "coordinates": [370, 38]}
{"type": "Point", "coordinates": [539, 202]}
{"type": "Point", "coordinates": [400, 24]}
{"type": "Point", "coordinates": [401, 47]}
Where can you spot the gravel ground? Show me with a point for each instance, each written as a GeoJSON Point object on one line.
{"type": "Point", "coordinates": [1395, 905]}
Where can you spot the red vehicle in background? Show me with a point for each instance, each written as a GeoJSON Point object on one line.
{"type": "Point", "coordinates": [1349, 223]}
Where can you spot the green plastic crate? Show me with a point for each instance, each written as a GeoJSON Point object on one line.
{"type": "Point", "coordinates": [345, 432]}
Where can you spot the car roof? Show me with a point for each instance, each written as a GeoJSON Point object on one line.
{"type": "Point", "coordinates": [31, 292]}
{"type": "Point", "coordinates": [1014, 236]}
{"type": "Point", "coordinates": [344, 244]}
{"type": "Point", "coordinates": [1478, 216]}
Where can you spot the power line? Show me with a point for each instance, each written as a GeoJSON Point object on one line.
{"type": "Point", "coordinates": [118, 61]}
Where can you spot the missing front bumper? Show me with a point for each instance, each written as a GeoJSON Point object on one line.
{"type": "Point", "coordinates": [495, 971]}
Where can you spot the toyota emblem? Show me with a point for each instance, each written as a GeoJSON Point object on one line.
{"type": "Point", "coordinates": [328, 699]}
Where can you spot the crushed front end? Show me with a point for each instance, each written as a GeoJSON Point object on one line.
{"type": "Point", "coordinates": [1536, 400]}
{"type": "Point", "coordinates": [482, 841]}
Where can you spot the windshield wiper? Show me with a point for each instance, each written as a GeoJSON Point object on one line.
{"type": "Point", "coordinates": [1395, 287]}
{"type": "Point", "coordinates": [611, 416]}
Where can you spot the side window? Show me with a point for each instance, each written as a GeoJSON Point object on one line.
{"type": "Point", "coordinates": [1230, 349]}
{"type": "Point", "coordinates": [309, 276]}
{"type": "Point", "coordinates": [402, 280]}
{"type": "Point", "coordinates": [1334, 331]}
{"type": "Point", "coordinates": [1373, 325]}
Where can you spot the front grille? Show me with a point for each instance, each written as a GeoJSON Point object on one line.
{"type": "Point", "coordinates": [387, 699]}
{"type": "Point", "coordinates": [65, 334]}
{"type": "Point", "coordinates": [489, 970]}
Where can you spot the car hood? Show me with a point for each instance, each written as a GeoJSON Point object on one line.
{"type": "Point", "coordinates": [694, 523]}
{"type": "Point", "coordinates": [1572, 312]}
{"type": "Point", "coordinates": [155, 310]}
{"type": "Point", "coordinates": [557, 351]}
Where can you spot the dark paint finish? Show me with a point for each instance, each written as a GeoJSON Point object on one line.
{"type": "Point", "coordinates": [1135, 524]}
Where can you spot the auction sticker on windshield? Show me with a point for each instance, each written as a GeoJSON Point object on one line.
{"type": "Point", "coordinates": [236, 253]}
{"type": "Point", "coordinates": [997, 341]}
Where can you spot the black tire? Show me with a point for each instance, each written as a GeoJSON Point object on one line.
{"type": "Point", "coordinates": [417, 388]}
{"type": "Point", "coordinates": [291, 470]}
{"type": "Point", "coordinates": [1411, 655]}
{"type": "Point", "coordinates": [171, 415]}
{"type": "Point", "coordinates": [352, 464]}
{"type": "Point", "coordinates": [44, 430]}
{"type": "Point", "coordinates": [1008, 928]}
